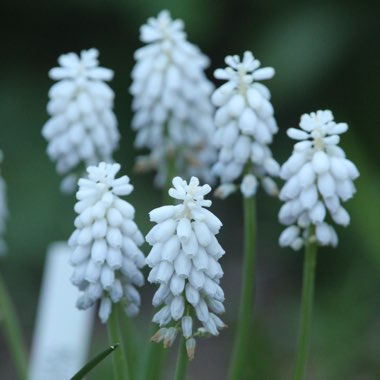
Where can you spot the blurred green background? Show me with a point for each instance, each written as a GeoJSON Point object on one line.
{"type": "Point", "coordinates": [326, 55]}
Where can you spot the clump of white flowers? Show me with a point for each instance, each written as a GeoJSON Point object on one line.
{"type": "Point", "coordinates": [3, 209]}
{"type": "Point", "coordinates": [318, 176]}
{"type": "Point", "coordinates": [245, 127]}
{"type": "Point", "coordinates": [82, 127]}
{"type": "Point", "coordinates": [173, 114]}
{"type": "Point", "coordinates": [184, 261]}
{"type": "Point", "coordinates": [106, 257]}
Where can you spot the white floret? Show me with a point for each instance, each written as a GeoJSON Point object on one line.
{"type": "Point", "coordinates": [245, 127]}
{"type": "Point", "coordinates": [82, 129]}
{"type": "Point", "coordinates": [318, 177]}
{"type": "Point", "coordinates": [184, 261]}
{"type": "Point", "coordinates": [106, 257]}
{"type": "Point", "coordinates": [173, 114]}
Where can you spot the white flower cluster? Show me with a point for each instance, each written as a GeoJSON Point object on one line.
{"type": "Point", "coordinates": [106, 257]}
{"type": "Point", "coordinates": [184, 261]}
{"type": "Point", "coordinates": [3, 210]}
{"type": "Point", "coordinates": [82, 127]}
{"type": "Point", "coordinates": [173, 111]}
{"type": "Point", "coordinates": [318, 176]}
{"type": "Point", "coordinates": [245, 126]}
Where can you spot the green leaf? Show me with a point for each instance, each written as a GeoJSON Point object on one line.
{"type": "Point", "coordinates": [366, 203]}
{"type": "Point", "coordinates": [94, 362]}
{"type": "Point", "coordinates": [305, 46]}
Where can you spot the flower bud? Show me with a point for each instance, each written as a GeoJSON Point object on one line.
{"type": "Point", "coordinates": [190, 348]}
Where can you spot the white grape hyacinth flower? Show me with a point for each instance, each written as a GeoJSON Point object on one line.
{"type": "Point", "coordinates": [318, 177]}
{"type": "Point", "coordinates": [184, 261]}
{"type": "Point", "coordinates": [173, 114]}
{"type": "Point", "coordinates": [245, 126]}
{"type": "Point", "coordinates": [82, 128]}
{"type": "Point", "coordinates": [106, 256]}
{"type": "Point", "coordinates": [3, 210]}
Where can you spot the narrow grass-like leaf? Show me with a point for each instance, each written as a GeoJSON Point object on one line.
{"type": "Point", "coordinates": [94, 362]}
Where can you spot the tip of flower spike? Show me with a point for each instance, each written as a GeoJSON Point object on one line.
{"type": "Point", "coordinates": [190, 193]}
{"type": "Point", "coordinates": [314, 120]}
{"type": "Point", "coordinates": [163, 27]}
{"type": "Point", "coordinates": [244, 70]}
{"type": "Point", "coordinates": [85, 65]}
{"type": "Point", "coordinates": [90, 55]}
{"type": "Point", "coordinates": [319, 131]}
{"type": "Point", "coordinates": [101, 179]}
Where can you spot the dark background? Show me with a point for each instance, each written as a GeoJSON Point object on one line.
{"type": "Point", "coordinates": [326, 55]}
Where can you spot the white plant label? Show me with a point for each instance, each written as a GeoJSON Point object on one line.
{"type": "Point", "coordinates": [62, 332]}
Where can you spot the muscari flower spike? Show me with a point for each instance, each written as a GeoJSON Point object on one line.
{"type": "Point", "coordinates": [184, 261]}
{"type": "Point", "coordinates": [106, 256]}
{"type": "Point", "coordinates": [245, 127]}
{"type": "Point", "coordinates": [82, 128]}
{"type": "Point", "coordinates": [173, 114]}
{"type": "Point", "coordinates": [3, 210]}
{"type": "Point", "coordinates": [318, 177]}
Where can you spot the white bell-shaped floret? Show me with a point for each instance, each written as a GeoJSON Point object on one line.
{"type": "Point", "coordinates": [82, 128]}
{"type": "Point", "coordinates": [318, 177]}
{"type": "Point", "coordinates": [245, 127]}
{"type": "Point", "coordinates": [106, 257]}
{"type": "Point", "coordinates": [173, 114]}
{"type": "Point", "coordinates": [184, 262]}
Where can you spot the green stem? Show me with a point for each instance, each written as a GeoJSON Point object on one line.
{"type": "Point", "coordinates": [155, 353]}
{"type": "Point", "coordinates": [129, 346]}
{"type": "Point", "coordinates": [119, 363]}
{"type": "Point", "coordinates": [180, 371]}
{"type": "Point", "coordinates": [154, 359]}
{"type": "Point", "coordinates": [306, 309]}
{"type": "Point", "coordinates": [247, 292]}
{"type": "Point", "coordinates": [12, 331]}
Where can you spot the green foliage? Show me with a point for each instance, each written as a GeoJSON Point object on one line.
{"type": "Point", "coordinates": [326, 56]}
{"type": "Point", "coordinates": [94, 362]}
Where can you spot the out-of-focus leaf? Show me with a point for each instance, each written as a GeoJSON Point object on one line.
{"type": "Point", "coordinates": [94, 362]}
{"type": "Point", "coordinates": [303, 46]}
{"type": "Point", "coordinates": [365, 206]}
{"type": "Point", "coordinates": [197, 14]}
{"type": "Point", "coordinates": [345, 310]}
{"type": "Point", "coordinates": [259, 353]}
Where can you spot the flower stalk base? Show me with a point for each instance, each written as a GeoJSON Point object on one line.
{"type": "Point", "coordinates": [180, 372]}
{"type": "Point", "coordinates": [247, 291]}
{"type": "Point", "coordinates": [114, 336]}
{"type": "Point", "coordinates": [306, 309]}
{"type": "Point", "coordinates": [12, 332]}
